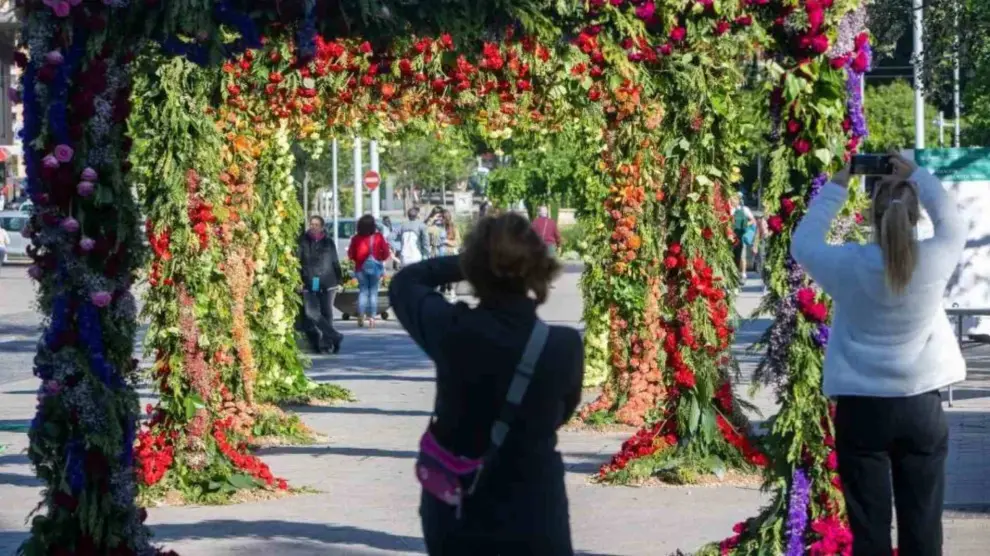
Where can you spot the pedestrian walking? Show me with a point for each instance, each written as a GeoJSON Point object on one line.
{"type": "Point", "coordinates": [4, 243]}
{"type": "Point", "coordinates": [492, 478]}
{"type": "Point", "coordinates": [413, 239]}
{"type": "Point", "coordinates": [744, 228]}
{"type": "Point", "coordinates": [547, 229]}
{"type": "Point", "coordinates": [321, 276]}
{"type": "Point", "coordinates": [369, 251]}
{"type": "Point", "coordinates": [890, 351]}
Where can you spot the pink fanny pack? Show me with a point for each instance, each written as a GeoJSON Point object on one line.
{"type": "Point", "coordinates": [451, 478]}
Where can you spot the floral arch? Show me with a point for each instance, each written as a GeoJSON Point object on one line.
{"type": "Point", "coordinates": [224, 88]}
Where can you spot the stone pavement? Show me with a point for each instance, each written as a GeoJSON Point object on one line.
{"type": "Point", "coordinates": [368, 496]}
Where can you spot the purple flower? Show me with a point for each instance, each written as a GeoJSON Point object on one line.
{"type": "Point", "coordinates": [820, 335]}
{"type": "Point", "coordinates": [797, 512]}
{"type": "Point", "coordinates": [817, 184]}
{"type": "Point", "coordinates": [63, 153]}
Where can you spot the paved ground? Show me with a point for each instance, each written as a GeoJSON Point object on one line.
{"type": "Point", "coordinates": [368, 496]}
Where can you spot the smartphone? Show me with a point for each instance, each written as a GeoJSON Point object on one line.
{"type": "Point", "coordinates": [871, 165]}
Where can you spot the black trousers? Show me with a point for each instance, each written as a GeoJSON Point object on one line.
{"type": "Point", "coordinates": [899, 442]}
{"type": "Point", "coordinates": [318, 324]}
{"type": "Point", "coordinates": [536, 527]}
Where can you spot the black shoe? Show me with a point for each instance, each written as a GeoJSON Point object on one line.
{"type": "Point", "coordinates": [336, 346]}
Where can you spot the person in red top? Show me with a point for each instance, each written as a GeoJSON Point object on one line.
{"type": "Point", "coordinates": [369, 250]}
{"type": "Point", "coordinates": [546, 228]}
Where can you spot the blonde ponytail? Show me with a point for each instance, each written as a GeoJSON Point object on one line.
{"type": "Point", "coordinates": [895, 232]}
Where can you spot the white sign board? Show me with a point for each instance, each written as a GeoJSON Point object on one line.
{"type": "Point", "coordinates": [965, 173]}
{"type": "Point", "coordinates": [463, 202]}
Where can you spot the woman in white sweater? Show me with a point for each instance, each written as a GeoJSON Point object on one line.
{"type": "Point", "coordinates": [891, 349]}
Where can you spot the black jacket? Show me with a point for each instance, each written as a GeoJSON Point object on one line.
{"type": "Point", "coordinates": [319, 259]}
{"type": "Point", "coordinates": [476, 351]}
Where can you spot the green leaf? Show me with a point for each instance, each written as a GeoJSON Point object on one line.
{"type": "Point", "coordinates": [824, 155]}
{"type": "Point", "coordinates": [694, 416]}
{"type": "Point", "coordinates": [241, 481]}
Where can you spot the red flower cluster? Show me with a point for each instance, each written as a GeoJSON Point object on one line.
{"type": "Point", "coordinates": [647, 441]}
{"type": "Point", "coordinates": [741, 442]}
{"type": "Point", "coordinates": [199, 211]}
{"type": "Point", "coordinates": [160, 248]}
{"type": "Point", "coordinates": [728, 545]}
{"type": "Point", "coordinates": [241, 459]}
{"type": "Point", "coordinates": [835, 537]}
{"type": "Point", "coordinates": [812, 310]}
{"type": "Point", "coordinates": [155, 454]}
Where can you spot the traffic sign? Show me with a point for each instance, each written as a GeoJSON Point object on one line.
{"type": "Point", "coordinates": [372, 180]}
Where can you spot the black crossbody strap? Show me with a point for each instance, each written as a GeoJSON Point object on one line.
{"type": "Point", "coordinates": [520, 383]}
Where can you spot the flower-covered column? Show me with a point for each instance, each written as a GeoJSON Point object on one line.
{"type": "Point", "coordinates": [85, 244]}
{"type": "Point", "coordinates": [823, 51]}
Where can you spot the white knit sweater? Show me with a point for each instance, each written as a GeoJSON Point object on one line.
{"type": "Point", "coordinates": [883, 344]}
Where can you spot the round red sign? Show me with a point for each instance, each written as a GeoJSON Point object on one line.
{"type": "Point", "coordinates": [372, 180]}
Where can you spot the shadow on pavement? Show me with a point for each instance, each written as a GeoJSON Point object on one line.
{"type": "Point", "coordinates": [273, 529]}
{"type": "Point", "coordinates": [338, 451]}
{"type": "Point", "coordinates": [370, 376]}
{"type": "Point", "coordinates": [15, 479]}
{"type": "Point", "coordinates": [362, 410]}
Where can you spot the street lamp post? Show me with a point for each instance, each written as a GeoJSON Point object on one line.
{"type": "Point", "coordinates": [918, 59]}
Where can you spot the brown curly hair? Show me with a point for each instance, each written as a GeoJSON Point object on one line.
{"type": "Point", "coordinates": [504, 256]}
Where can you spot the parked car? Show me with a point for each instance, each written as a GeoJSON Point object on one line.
{"type": "Point", "coordinates": [14, 221]}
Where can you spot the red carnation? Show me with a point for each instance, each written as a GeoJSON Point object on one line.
{"type": "Point", "coordinates": [793, 127]}
{"type": "Point", "coordinates": [685, 377]}
{"type": "Point", "coordinates": [594, 95]}
{"type": "Point", "coordinates": [862, 40]}
{"type": "Point", "coordinates": [861, 62]}
{"type": "Point", "coordinates": [805, 296]}
{"type": "Point", "coordinates": [722, 27]}
{"type": "Point", "coordinates": [801, 146]}
{"type": "Point", "coordinates": [816, 312]}
{"type": "Point", "coordinates": [365, 47]}
{"type": "Point", "coordinates": [666, 49]}
{"type": "Point", "coordinates": [744, 20]}
{"type": "Point", "coordinates": [775, 223]}
{"type": "Point", "coordinates": [820, 44]}
{"type": "Point", "coordinates": [670, 262]}
{"type": "Point", "coordinates": [677, 34]}
{"type": "Point", "coordinates": [839, 62]}
{"type": "Point", "coordinates": [832, 462]}
{"type": "Point", "coordinates": [788, 206]}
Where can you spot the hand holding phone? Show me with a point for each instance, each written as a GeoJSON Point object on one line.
{"type": "Point", "coordinates": [872, 165]}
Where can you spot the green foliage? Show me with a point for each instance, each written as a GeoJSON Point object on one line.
{"type": "Point", "coordinates": [429, 162]}
{"type": "Point", "coordinates": [890, 118]}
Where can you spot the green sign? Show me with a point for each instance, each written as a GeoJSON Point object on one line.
{"type": "Point", "coordinates": [956, 165]}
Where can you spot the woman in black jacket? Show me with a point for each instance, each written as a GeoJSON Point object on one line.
{"type": "Point", "coordinates": [321, 275]}
{"type": "Point", "coordinates": [520, 508]}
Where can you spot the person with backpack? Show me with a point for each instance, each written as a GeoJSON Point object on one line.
{"type": "Point", "coordinates": [369, 251]}
{"type": "Point", "coordinates": [744, 227]}
{"type": "Point", "coordinates": [321, 276]}
{"type": "Point", "coordinates": [413, 239]}
{"type": "Point", "coordinates": [491, 476]}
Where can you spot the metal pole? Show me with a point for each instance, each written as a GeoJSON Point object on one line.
{"type": "Point", "coordinates": [376, 195]}
{"type": "Point", "coordinates": [336, 198]}
{"type": "Point", "coordinates": [358, 178]}
{"type": "Point", "coordinates": [918, 61]}
{"type": "Point", "coordinates": [956, 108]}
{"type": "Point", "coordinates": [941, 128]}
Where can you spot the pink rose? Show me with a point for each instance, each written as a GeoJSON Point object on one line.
{"type": "Point", "coordinates": [677, 34]}
{"type": "Point", "coordinates": [85, 188]}
{"type": "Point", "coordinates": [646, 10]}
{"type": "Point", "coordinates": [776, 224]}
{"type": "Point", "coordinates": [54, 58]}
{"type": "Point", "coordinates": [62, 9]}
{"type": "Point", "coordinates": [50, 161]}
{"type": "Point", "coordinates": [801, 146]}
{"type": "Point", "coordinates": [35, 272]}
{"type": "Point", "coordinates": [87, 244]}
{"type": "Point", "coordinates": [89, 174]}
{"type": "Point", "coordinates": [70, 225]}
{"type": "Point", "coordinates": [101, 298]}
{"type": "Point", "coordinates": [63, 153]}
